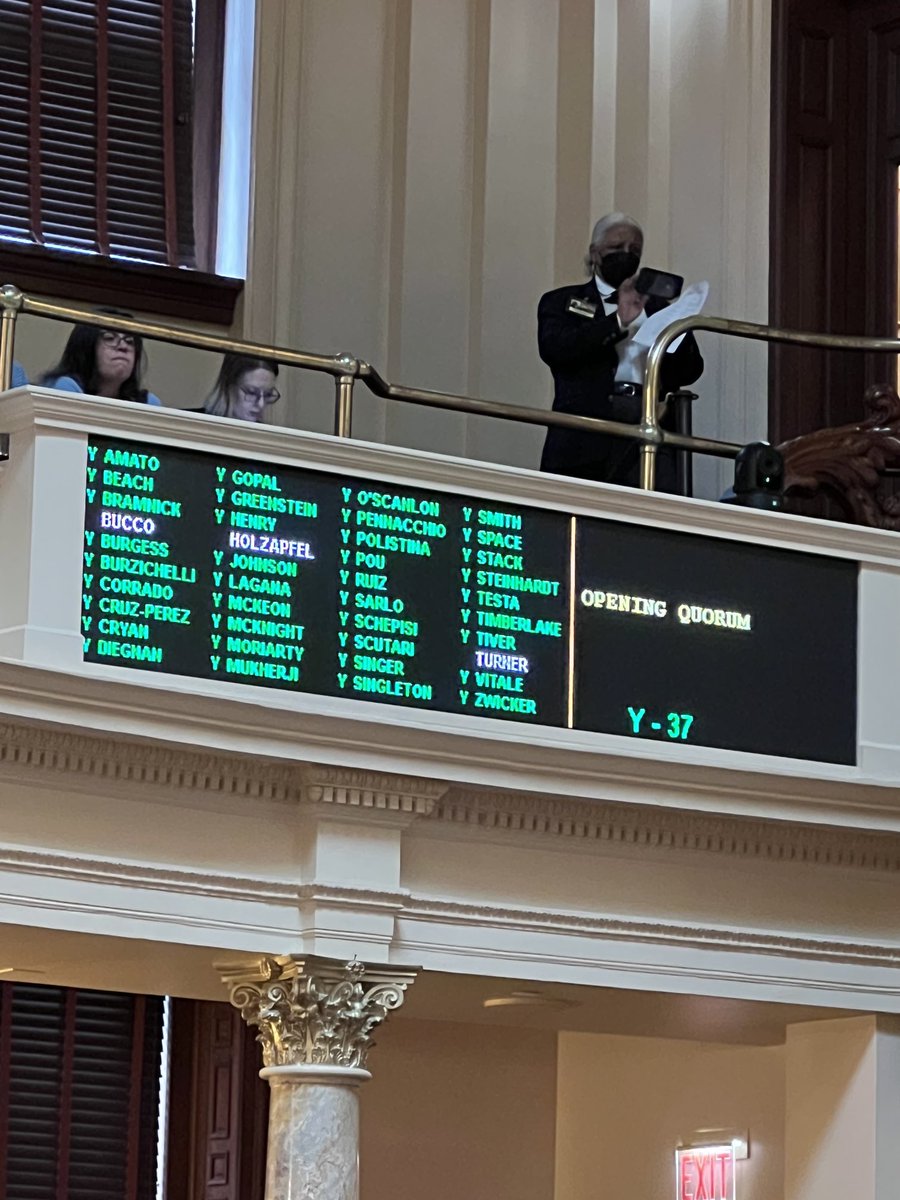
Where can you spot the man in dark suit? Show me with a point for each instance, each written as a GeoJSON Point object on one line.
{"type": "Point", "coordinates": [585, 336]}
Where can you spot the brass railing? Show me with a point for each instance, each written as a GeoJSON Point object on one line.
{"type": "Point", "coordinates": [649, 432]}
{"type": "Point", "coordinates": [345, 369]}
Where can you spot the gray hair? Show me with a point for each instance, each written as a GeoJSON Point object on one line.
{"type": "Point", "coordinates": [603, 226]}
{"type": "Point", "coordinates": [610, 221]}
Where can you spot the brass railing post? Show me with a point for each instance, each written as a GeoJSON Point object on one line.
{"type": "Point", "coordinates": [10, 304]}
{"type": "Point", "coordinates": [648, 458]}
{"type": "Point", "coordinates": [649, 426]}
{"type": "Point", "coordinates": [343, 398]}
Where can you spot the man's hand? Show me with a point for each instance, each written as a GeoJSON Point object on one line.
{"type": "Point", "coordinates": [631, 302]}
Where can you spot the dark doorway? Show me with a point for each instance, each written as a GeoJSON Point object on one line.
{"type": "Point", "coordinates": [835, 154]}
{"type": "Point", "coordinates": [219, 1107]}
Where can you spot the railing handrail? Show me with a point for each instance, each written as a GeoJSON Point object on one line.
{"type": "Point", "coordinates": [332, 364]}
{"type": "Point", "coordinates": [346, 369]}
{"type": "Point", "coordinates": [652, 436]}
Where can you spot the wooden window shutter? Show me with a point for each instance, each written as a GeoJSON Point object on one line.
{"type": "Point", "coordinates": [96, 138]}
{"type": "Point", "coordinates": [79, 1080]}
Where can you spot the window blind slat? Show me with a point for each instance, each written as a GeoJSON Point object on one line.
{"type": "Point", "coordinates": [78, 1070]}
{"type": "Point", "coordinates": [96, 130]}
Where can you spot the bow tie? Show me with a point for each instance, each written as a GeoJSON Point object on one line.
{"type": "Point", "coordinates": [612, 298]}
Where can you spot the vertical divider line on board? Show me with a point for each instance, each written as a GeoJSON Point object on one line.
{"type": "Point", "coordinates": [570, 715]}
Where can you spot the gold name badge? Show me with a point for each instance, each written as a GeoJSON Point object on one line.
{"type": "Point", "coordinates": [582, 308]}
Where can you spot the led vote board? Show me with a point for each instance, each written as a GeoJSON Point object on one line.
{"type": "Point", "coordinates": [221, 568]}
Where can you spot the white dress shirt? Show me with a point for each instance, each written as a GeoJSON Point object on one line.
{"type": "Point", "coordinates": [631, 357]}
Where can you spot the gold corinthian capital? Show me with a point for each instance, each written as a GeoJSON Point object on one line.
{"type": "Point", "coordinates": [314, 1011]}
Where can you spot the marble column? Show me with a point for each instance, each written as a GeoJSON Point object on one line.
{"type": "Point", "coordinates": [315, 1019]}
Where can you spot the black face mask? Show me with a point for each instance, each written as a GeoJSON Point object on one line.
{"type": "Point", "coordinates": [619, 265]}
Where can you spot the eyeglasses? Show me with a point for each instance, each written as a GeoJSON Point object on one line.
{"type": "Point", "coordinates": [261, 395]}
{"type": "Point", "coordinates": [112, 337]}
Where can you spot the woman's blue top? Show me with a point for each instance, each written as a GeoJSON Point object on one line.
{"type": "Point", "coordinates": [65, 383]}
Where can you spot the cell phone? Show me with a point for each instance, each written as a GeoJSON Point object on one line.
{"type": "Point", "coordinates": [662, 284]}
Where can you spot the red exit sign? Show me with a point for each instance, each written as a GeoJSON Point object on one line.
{"type": "Point", "coordinates": [705, 1173]}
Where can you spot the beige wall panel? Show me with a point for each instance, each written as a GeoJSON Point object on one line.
{"type": "Point", "coordinates": [574, 137]}
{"type": "Point", "coordinates": [659, 131]}
{"type": "Point", "coordinates": [276, 168]}
{"type": "Point", "coordinates": [517, 263]}
{"type": "Point", "coordinates": [717, 92]}
{"type": "Point", "coordinates": [698, 110]}
{"type": "Point", "coordinates": [603, 117]}
{"type": "Point", "coordinates": [321, 245]}
{"type": "Point", "coordinates": [746, 196]}
{"type": "Point", "coordinates": [430, 276]}
{"type": "Point", "coordinates": [624, 1102]}
{"type": "Point", "coordinates": [843, 1109]}
{"type": "Point", "coordinates": [830, 1096]}
{"type": "Point", "coordinates": [633, 107]}
{"type": "Point", "coordinates": [457, 1111]}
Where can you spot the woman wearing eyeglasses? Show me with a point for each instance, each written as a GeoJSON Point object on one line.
{"type": "Point", "coordinates": [102, 362]}
{"type": "Point", "coordinates": [244, 389]}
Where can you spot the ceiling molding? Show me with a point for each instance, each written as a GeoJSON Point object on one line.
{"type": "Point", "coordinates": [42, 751]}
{"type": "Point", "coordinates": [49, 756]}
{"type": "Point", "coordinates": [434, 928]}
{"type": "Point", "coordinates": [110, 872]}
{"type": "Point", "coordinates": [54, 752]}
{"type": "Point", "coordinates": [371, 790]}
{"type": "Point", "coordinates": [668, 933]}
{"type": "Point", "coordinates": [263, 730]}
{"type": "Point", "coordinates": [645, 828]}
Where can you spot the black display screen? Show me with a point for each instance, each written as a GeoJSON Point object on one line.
{"type": "Point", "coordinates": [690, 639]}
{"type": "Point", "coordinates": [217, 568]}
{"type": "Point", "coordinates": [201, 565]}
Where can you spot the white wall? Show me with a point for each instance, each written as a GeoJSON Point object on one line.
{"type": "Point", "coordinates": [458, 1111]}
{"type": "Point", "coordinates": [623, 1103]}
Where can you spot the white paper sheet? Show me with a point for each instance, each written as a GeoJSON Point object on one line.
{"type": "Point", "coordinates": [688, 304]}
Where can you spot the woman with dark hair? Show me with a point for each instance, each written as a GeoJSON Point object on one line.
{"type": "Point", "coordinates": [102, 362]}
{"type": "Point", "coordinates": [244, 389]}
